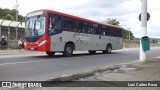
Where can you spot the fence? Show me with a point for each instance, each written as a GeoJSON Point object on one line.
{"type": "Point", "coordinates": [136, 43]}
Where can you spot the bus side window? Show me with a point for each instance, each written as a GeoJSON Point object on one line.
{"type": "Point", "coordinates": [106, 30]}
{"type": "Point", "coordinates": [99, 31]}
{"type": "Point", "coordinates": [58, 22]}
{"type": "Point", "coordinates": [115, 32]}
{"type": "Point", "coordinates": [75, 29]}
{"type": "Point", "coordinates": [68, 24]}
{"type": "Point", "coordinates": [80, 27]}
{"type": "Point", "coordinates": [119, 32]}
{"type": "Point", "coordinates": [54, 24]}
{"type": "Point", "coordinates": [87, 28]}
{"type": "Point", "coordinates": [93, 31]}
{"type": "Point", "coordinates": [110, 31]}
{"type": "Point", "coordinates": [73, 26]}
{"type": "Point", "coordinates": [104, 33]}
{"type": "Point", "coordinates": [94, 28]}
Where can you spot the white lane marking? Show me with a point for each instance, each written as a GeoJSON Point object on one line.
{"type": "Point", "coordinates": [28, 69]}
{"type": "Point", "coordinates": [158, 57]}
{"type": "Point", "coordinates": [64, 64]}
{"type": "Point", "coordinates": [27, 62]}
{"type": "Point", "coordinates": [9, 56]}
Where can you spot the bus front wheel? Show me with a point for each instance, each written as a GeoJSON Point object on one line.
{"type": "Point", "coordinates": [68, 50]}
{"type": "Point", "coordinates": [50, 53]}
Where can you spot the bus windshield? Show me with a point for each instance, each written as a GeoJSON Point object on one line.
{"type": "Point", "coordinates": [35, 26]}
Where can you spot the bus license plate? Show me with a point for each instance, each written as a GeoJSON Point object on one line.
{"type": "Point", "coordinates": [31, 48]}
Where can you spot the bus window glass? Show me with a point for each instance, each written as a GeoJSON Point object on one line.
{"type": "Point", "coordinates": [104, 33]}
{"type": "Point", "coordinates": [69, 25]}
{"type": "Point", "coordinates": [86, 27]}
{"type": "Point", "coordinates": [55, 24]}
{"type": "Point", "coordinates": [80, 26]}
{"type": "Point", "coordinates": [94, 28]}
{"type": "Point", "coordinates": [35, 26]}
{"type": "Point", "coordinates": [103, 27]}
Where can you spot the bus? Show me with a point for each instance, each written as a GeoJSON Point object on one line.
{"type": "Point", "coordinates": [52, 31]}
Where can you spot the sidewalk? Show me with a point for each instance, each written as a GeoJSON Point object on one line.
{"type": "Point", "coordinates": [136, 71]}
{"type": "Point", "coordinates": [16, 52]}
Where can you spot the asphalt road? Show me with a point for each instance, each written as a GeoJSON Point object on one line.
{"type": "Point", "coordinates": [42, 67]}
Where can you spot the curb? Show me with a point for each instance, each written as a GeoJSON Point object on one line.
{"type": "Point", "coordinates": [88, 73]}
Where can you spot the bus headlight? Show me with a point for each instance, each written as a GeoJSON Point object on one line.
{"type": "Point", "coordinates": [41, 43]}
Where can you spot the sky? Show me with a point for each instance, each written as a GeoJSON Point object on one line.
{"type": "Point", "coordinates": [124, 11]}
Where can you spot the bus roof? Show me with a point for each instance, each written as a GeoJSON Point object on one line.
{"type": "Point", "coordinates": [79, 18]}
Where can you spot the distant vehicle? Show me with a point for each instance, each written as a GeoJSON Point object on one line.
{"type": "Point", "coordinates": [51, 31]}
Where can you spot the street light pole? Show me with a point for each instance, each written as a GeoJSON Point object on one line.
{"type": "Point", "coordinates": [143, 27]}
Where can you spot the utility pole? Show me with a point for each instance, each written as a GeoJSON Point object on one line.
{"type": "Point", "coordinates": [16, 7]}
{"type": "Point", "coordinates": [143, 27]}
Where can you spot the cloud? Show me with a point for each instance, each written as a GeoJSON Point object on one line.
{"type": "Point", "coordinates": [125, 11]}
{"type": "Point", "coordinates": [98, 8]}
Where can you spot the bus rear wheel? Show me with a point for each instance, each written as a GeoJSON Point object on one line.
{"type": "Point", "coordinates": [50, 53]}
{"type": "Point", "coordinates": [108, 49]}
{"type": "Point", "coordinates": [92, 52]}
{"type": "Point", "coordinates": [68, 50]}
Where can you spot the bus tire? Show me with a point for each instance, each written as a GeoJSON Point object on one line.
{"type": "Point", "coordinates": [50, 54]}
{"type": "Point", "coordinates": [92, 52]}
{"type": "Point", "coordinates": [68, 50]}
{"type": "Point", "coordinates": [108, 49]}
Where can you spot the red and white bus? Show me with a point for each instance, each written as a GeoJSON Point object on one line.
{"type": "Point", "coordinates": [51, 31]}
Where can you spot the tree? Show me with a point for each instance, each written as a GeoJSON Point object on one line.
{"type": "Point", "coordinates": [10, 15]}
{"type": "Point", "coordinates": [112, 21]}
{"type": "Point", "coordinates": [125, 32]}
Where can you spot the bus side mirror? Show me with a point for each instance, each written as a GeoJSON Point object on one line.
{"type": "Point", "coordinates": [52, 32]}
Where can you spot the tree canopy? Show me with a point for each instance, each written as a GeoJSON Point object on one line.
{"type": "Point", "coordinates": [112, 21]}
{"type": "Point", "coordinates": [125, 31]}
{"type": "Point", "coordinates": [10, 15]}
